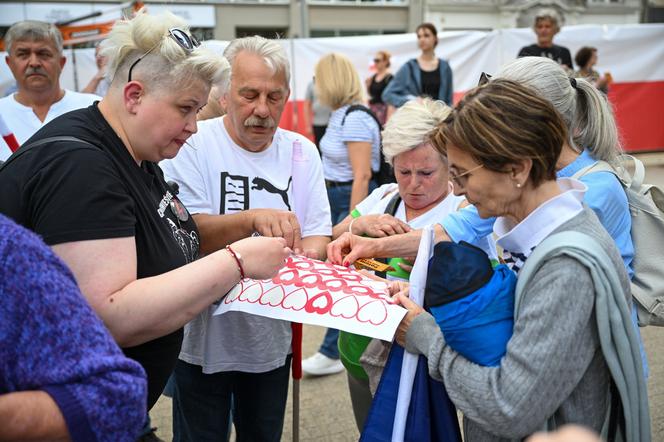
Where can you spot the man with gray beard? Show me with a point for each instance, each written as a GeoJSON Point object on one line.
{"type": "Point", "coordinates": [239, 180]}
{"type": "Point", "coordinates": [34, 55]}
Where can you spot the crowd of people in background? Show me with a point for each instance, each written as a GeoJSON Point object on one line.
{"type": "Point", "coordinates": [132, 208]}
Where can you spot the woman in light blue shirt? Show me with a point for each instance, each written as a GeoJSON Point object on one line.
{"type": "Point", "coordinates": [593, 137]}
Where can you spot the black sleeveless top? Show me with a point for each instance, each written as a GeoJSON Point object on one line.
{"type": "Point", "coordinates": [376, 88]}
{"type": "Point", "coordinates": [430, 83]}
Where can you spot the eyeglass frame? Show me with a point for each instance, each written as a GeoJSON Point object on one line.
{"type": "Point", "coordinates": [186, 41]}
{"type": "Point", "coordinates": [455, 178]}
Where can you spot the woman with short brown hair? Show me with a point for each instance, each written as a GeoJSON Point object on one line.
{"type": "Point", "coordinates": [502, 143]}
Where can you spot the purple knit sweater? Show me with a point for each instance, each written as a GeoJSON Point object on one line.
{"type": "Point", "coordinates": [51, 340]}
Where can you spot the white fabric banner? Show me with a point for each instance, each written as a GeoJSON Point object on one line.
{"type": "Point", "coordinates": [418, 282]}
{"type": "Point", "coordinates": [632, 53]}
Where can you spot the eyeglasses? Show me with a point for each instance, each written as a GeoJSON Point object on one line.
{"type": "Point", "coordinates": [457, 179]}
{"type": "Point", "coordinates": [377, 60]}
{"type": "Point", "coordinates": [184, 40]}
{"type": "Point", "coordinates": [484, 79]}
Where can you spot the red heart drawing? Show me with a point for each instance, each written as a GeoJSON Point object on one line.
{"type": "Point", "coordinates": [345, 307]}
{"type": "Point", "coordinates": [273, 297]}
{"type": "Point", "coordinates": [234, 293]}
{"type": "Point", "coordinates": [296, 300]}
{"type": "Point", "coordinates": [374, 312]}
{"type": "Point", "coordinates": [251, 293]}
{"type": "Point", "coordinates": [321, 303]}
{"type": "Point", "coordinates": [286, 276]}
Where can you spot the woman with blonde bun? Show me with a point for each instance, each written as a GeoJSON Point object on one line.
{"type": "Point", "coordinates": [90, 185]}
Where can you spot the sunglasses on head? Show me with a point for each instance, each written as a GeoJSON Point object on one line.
{"type": "Point", "coordinates": [185, 41]}
{"type": "Point", "coordinates": [484, 79]}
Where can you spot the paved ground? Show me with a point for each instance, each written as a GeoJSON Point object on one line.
{"type": "Point", "coordinates": [325, 410]}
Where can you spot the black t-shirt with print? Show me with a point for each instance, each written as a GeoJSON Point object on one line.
{"type": "Point", "coordinates": [559, 54]}
{"type": "Point", "coordinates": [71, 191]}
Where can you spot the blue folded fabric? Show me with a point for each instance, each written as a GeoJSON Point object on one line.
{"type": "Point", "coordinates": [431, 414]}
{"type": "Point", "coordinates": [472, 302]}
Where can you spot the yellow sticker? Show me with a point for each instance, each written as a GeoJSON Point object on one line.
{"type": "Point", "coordinates": [372, 264]}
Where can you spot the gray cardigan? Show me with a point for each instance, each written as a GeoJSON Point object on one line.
{"type": "Point", "coordinates": [554, 364]}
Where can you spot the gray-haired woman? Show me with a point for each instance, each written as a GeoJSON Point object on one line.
{"type": "Point", "coordinates": [421, 196]}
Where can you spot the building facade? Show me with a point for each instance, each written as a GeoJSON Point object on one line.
{"type": "Point", "coordinates": [227, 19]}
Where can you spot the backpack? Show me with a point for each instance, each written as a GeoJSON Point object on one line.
{"type": "Point", "coordinates": [385, 174]}
{"type": "Point", "coordinates": [646, 207]}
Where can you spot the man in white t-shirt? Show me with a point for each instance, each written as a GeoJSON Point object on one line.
{"type": "Point", "coordinates": [34, 55]}
{"type": "Point", "coordinates": [242, 164]}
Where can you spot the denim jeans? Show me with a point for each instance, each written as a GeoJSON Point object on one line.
{"type": "Point", "coordinates": [329, 347]}
{"type": "Point", "coordinates": [339, 197]}
{"type": "Point", "coordinates": [202, 404]}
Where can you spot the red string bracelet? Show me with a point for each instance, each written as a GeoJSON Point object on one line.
{"type": "Point", "coordinates": [237, 258]}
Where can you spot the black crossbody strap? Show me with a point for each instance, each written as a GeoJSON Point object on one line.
{"type": "Point", "coordinates": [390, 209]}
{"type": "Point", "coordinates": [24, 149]}
{"type": "Point", "coordinates": [392, 206]}
{"type": "Point", "coordinates": [361, 108]}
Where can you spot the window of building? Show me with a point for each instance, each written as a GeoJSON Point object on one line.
{"type": "Point", "coordinates": [263, 32]}
{"type": "Point", "coordinates": [317, 33]}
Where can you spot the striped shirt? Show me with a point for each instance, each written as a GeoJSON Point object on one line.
{"type": "Point", "coordinates": [359, 126]}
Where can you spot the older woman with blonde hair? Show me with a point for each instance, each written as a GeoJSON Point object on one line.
{"type": "Point", "coordinates": [503, 142]}
{"type": "Point", "coordinates": [421, 196]}
{"type": "Point", "coordinates": [90, 185]}
{"type": "Point", "coordinates": [350, 151]}
{"type": "Point", "coordinates": [350, 146]}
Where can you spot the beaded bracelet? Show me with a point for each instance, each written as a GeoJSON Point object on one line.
{"type": "Point", "coordinates": [236, 257]}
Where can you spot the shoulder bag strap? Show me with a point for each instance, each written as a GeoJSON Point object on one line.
{"type": "Point", "coordinates": [23, 149]}
{"type": "Point", "coordinates": [392, 206]}
{"type": "Point", "coordinates": [390, 209]}
{"type": "Point", "coordinates": [361, 108]}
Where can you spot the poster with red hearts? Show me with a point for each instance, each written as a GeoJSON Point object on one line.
{"type": "Point", "coordinates": [319, 293]}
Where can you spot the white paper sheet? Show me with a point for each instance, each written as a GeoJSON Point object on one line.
{"type": "Point", "coordinates": [318, 293]}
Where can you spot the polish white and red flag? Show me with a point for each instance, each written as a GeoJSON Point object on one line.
{"type": "Point", "coordinates": [8, 135]}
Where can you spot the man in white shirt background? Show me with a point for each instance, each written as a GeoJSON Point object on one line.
{"type": "Point", "coordinates": [243, 167]}
{"type": "Point", "coordinates": [34, 55]}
